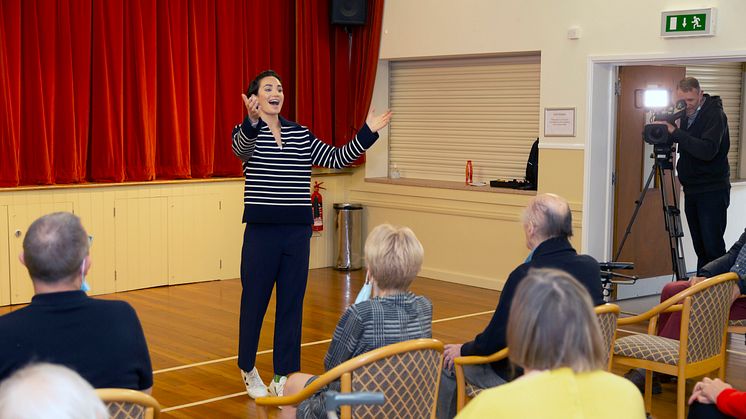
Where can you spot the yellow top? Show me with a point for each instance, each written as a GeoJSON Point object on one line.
{"type": "Point", "coordinates": [558, 394]}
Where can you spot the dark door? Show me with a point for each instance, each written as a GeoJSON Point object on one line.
{"type": "Point", "coordinates": [648, 245]}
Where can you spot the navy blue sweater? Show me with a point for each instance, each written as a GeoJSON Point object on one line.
{"type": "Point", "coordinates": [554, 253]}
{"type": "Point", "coordinates": [101, 340]}
{"type": "Point", "coordinates": [278, 179]}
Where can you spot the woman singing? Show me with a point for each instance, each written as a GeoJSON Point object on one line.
{"type": "Point", "coordinates": [277, 156]}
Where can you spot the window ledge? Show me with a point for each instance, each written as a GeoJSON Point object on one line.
{"type": "Point", "coordinates": [446, 184]}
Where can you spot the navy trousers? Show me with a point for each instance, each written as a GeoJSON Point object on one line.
{"type": "Point", "coordinates": [273, 254]}
{"type": "Point", "coordinates": [707, 214]}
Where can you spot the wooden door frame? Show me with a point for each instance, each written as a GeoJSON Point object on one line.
{"type": "Point", "coordinates": [600, 154]}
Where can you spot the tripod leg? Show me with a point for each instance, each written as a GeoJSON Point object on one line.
{"type": "Point", "coordinates": [632, 219]}
{"type": "Point", "coordinates": [672, 217]}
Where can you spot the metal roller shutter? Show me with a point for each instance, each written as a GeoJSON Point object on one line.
{"type": "Point", "coordinates": [725, 80]}
{"type": "Point", "coordinates": [448, 111]}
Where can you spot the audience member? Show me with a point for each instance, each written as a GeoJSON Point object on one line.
{"type": "Point", "coordinates": [669, 324]}
{"type": "Point", "coordinates": [553, 334]}
{"type": "Point", "coordinates": [714, 399]}
{"type": "Point", "coordinates": [393, 257]}
{"type": "Point", "coordinates": [101, 340]}
{"type": "Point", "coordinates": [547, 223]}
{"type": "Point", "coordinates": [51, 392]}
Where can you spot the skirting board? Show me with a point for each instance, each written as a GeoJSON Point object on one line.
{"type": "Point", "coordinates": [643, 287]}
{"type": "Point", "coordinates": [461, 278]}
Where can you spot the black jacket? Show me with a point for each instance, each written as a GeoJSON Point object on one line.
{"type": "Point", "coordinates": [703, 147]}
{"type": "Point", "coordinates": [724, 263]}
{"type": "Point", "coordinates": [553, 253]}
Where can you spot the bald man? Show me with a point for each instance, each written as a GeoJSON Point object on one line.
{"type": "Point", "coordinates": [547, 224]}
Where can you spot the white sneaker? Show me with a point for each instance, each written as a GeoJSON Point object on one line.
{"type": "Point", "coordinates": [254, 384]}
{"type": "Point", "coordinates": [276, 387]}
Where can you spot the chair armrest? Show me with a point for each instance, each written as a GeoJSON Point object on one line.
{"type": "Point", "coordinates": [476, 359]}
{"type": "Point", "coordinates": [676, 299]}
{"type": "Point", "coordinates": [623, 321]}
{"type": "Point", "coordinates": [458, 366]}
{"type": "Point", "coordinates": [298, 397]}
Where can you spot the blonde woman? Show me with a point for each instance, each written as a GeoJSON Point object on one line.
{"type": "Point", "coordinates": [553, 334]}
{"type": "Point", "coordinates": [393, 257]}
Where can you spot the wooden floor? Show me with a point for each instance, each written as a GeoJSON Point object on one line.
{"type": "Point", "coordinates": [192, 332]}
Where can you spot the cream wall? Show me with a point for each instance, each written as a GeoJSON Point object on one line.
{"type": "Point", "coordinates": [481, 250]}
{"type": "Point", "coordinates": [147, 234]}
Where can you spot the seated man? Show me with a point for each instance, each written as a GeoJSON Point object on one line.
{"type": "Point", "coordinates": [101, 340]}
{"type": "Point", "coordinates": [669, 324]}
{"type": "Point", "coordinates": [547, 223]}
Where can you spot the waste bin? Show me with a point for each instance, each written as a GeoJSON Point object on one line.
{"type": "Point", "coordinates": [348, 236]}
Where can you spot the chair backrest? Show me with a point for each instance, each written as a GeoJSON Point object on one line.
{"type": "Point", "coordinates": [408, 375]}
{"type": "Point", "coordinates": [129, 404]}
{"type": "Point", "coordinates": [705, 324]}
{"type": "Point", "coordinates": [608, 314]}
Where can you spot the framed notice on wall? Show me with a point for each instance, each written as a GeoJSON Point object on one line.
{"type": "Point", "coordinates": [559, 122]}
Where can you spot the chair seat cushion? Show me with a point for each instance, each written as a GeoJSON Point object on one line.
{"type": "Point", "coordinates": [740, 322]}
{"type": "Point", "coordinates": [649, 348]}
{"type": "Point", "coordinates": [472, 390]}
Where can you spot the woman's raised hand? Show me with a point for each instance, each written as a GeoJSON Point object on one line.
{"type": "Point", "coordinates": [252, 107]}
{"type": "Point", "coordinates": [377, 122]}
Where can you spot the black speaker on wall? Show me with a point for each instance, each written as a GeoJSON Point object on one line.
{"type": "Point", "coordinates": [348, 12]}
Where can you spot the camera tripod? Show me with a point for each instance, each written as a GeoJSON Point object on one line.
{"type": "Point", "coordinates": [663, 157]}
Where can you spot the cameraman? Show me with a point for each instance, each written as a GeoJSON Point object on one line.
{"type": "Point", "coordinates": [703, 168]}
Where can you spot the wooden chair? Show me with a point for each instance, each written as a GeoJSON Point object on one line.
{"type": "Point", "coordinates": [407, 373]}
{"type": "Point", "coordinates": [607, 320]}
{"type": "Point", "coordinates": [129, 404]}
{"type": "Point", "coordinates": [737, 326]}
{"type": "Point", "coordinates": [701, 349]}
{"type": "Point", "coordinates": [465, 390]}
{"type": "Point", "coordinates": [608, 316]}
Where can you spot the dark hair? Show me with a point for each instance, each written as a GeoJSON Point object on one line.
{"type": "Point", "coordinates": [54, 247]}
{"type": "Point", "coordinates": [254, 85]}
{"type": "Point", "coordinates": [689, 83]}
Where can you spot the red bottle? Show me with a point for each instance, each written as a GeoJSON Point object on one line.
{"type": "Point", "coordinates": [469, 172]}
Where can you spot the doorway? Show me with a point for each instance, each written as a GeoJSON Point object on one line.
{"type": "Point", "coordinates": [647, 245]}
{"type": "Point", "coordinates": [600, 151]}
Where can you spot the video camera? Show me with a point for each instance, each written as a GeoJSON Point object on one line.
{"type": "Point", "coordinates": [657, 134]}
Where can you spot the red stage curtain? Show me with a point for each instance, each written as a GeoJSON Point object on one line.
{"type": "Point", "coordinates": [125, 90]}
{"type": "Point", "coordinates": [106, 157]}
{"type": "Point", "coordinates": [72, 91]}
{"type": "Point", "coordinates": [356, 67]}
{"type": "Point", "coordinates": [140, 90]}
{"type": "Point", "coordinates": [315, 82]}
{"type": "Point", "coordinates": [282, 50]}
{"type": "Point", "coordinates": [202, 61]}
{"type": "Point", "coordinates": [172, 108]}
{"type": "Point", "coordinates": [38, 27]}
{"type": "Point", "coordinates": [10, 91]}
{"type": "Point", "coordinates": [230, 81]}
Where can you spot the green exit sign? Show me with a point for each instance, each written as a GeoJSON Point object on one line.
{"type": "Point", "coordinates": [698, 22]}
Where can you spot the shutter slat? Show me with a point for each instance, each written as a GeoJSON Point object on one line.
{"type": "Point", "coordinates": [448, 111]}
{"type": "Point", "coordinates": [724, 80]}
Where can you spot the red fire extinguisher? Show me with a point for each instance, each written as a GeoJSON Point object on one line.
{"type": "Point", "coordinates": [317, 206]}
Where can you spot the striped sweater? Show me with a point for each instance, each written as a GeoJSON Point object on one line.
{"type": "Point", "coordinates": [278, 179]}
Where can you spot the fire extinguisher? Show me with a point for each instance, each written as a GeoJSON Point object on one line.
{"type": "Point", "coordinates": [317, 206]}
